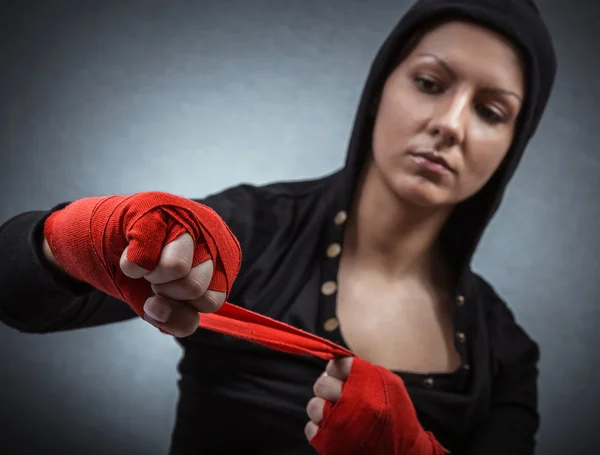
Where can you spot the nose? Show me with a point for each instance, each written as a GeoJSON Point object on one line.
{"type": "Point", "coordinates": [449, 122]}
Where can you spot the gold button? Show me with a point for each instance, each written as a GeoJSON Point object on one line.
{"type": "Point", "coordinates": [461, 336]}
{"type": "Point", "coordinates": [334, 250]}
{"type": "Point", "coordinates": [331, 324]}
{"type": "Point", "coordinates": [428, 382]}
{"type": "Point", "coordinates": [340, 218]}
{"type": "Point", "coordinates": [460, 300]}
{"type": "Point", "coordinates": [329, 288]}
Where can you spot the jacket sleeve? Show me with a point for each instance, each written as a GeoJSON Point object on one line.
{"type": "Point", "coordinates": [513, 422]}
{"type": "Point", "coordinates": [34, 298]}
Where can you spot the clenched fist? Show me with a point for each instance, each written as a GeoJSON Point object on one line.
{"type": "Point", "coordinates": [181, 291]}
{"type": "Point", "coordinates": [166, 256]}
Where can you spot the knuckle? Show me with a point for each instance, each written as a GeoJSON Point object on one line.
{"type": "Point", "coordinates": [203, 272]}
{"type": "Point", "coordinates": [307, 429]}
{"type": "Point", "coordinates": [325, 387]}
{"type": "Point", "coordinates": [331, 368]}
{"type": "Point", "coordinates": [215, 299]}
{"type": "Point", "coordinates": [312, 406]}
{"type": "Point", "coordinates": [125, 267]}
{"type": "Point", "coordinates": [177, 266]}
{"type": "Point", "coordinates": [319, 387]}
{"type": "Point", "coordinates": [210, 305]}
{"type": "Point", "coordinates": [314, 409]}
{"type": "Point", "coordinates": [210, 302]}
{"type": "Point", "coordinates": [195, 287]}
{"type": "Point", "coordinates": [310, 430]}
{"type": "Point", "coordinates": [130, 269]}
{"type": "Point", "coordinates": [198, 280]}
{"type": "Point", "coordinates": [346, 367]}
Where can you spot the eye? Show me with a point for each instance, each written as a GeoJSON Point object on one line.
{"type": "Point", "coordinates": [489, 115]}
{"type": "Point", "coordinates": [428, 85]}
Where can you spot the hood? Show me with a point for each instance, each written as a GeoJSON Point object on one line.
{"type": "Point", "coordinates": [520, 21]}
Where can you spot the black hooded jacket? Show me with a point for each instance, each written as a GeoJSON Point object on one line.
{"type": "Point", "coordinates": [238, 397]}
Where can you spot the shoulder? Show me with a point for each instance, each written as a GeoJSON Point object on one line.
{"type": "Point", "coordinates": [256, 213]}
{"type": "Point", "coordinates": [510, 343]}
{"type": "Point", "coordinates": [246, 197]}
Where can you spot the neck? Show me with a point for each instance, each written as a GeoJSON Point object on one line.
{"type": "Point", "coordinates": [392, 235]}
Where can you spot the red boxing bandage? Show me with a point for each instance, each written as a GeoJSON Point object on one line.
{"type": "Point", "coordinates": [374, 415]}
{"type": "Point", "coordinates": [88, 237]}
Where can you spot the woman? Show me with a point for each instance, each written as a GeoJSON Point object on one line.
{"type": "Point", "coordinates": [375, 258]}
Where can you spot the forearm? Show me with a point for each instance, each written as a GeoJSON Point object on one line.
{"type": "Point", "coordinates": [35, 294]}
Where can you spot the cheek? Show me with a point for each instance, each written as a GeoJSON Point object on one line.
{"type": "Point", "coordinates": [399, 119]}
{"type": "Point", "coordinates": [480, 166]}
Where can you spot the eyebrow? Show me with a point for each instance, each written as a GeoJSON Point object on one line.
{"type": "Point", "coordinates": [453, 75]}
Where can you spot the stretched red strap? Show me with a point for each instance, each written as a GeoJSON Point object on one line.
{"type": "Point", "coordinates": [241, 323]}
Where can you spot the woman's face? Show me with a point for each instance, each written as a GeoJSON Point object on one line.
{"type": "Point", "coordinates": [454, 99]}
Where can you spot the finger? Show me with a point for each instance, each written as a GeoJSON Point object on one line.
{"type": "Point", "coordinates": [210, 302]}
{"type": "Point", "coordinates": [339, 368]}
{"type": "Point", "coordinates": [328, 388]}
{"type": "Point", "coordinates": [310, 430]}
{"type": "Point", "coordinates": [143, 249]}
{"type": "Point", "coordinates": [191, 287]}
{"type": "Point", "coordinates": [314, 409]}
{"type": "Point", "coordinates": [179, 319]}
{"type": "Point", "coordinates": [129, 268]}
{"type": "Point", "coordinates": [175, 260]}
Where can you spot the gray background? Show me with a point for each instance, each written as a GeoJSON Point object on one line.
{"type": "Point", "coordinates": [117, 97]}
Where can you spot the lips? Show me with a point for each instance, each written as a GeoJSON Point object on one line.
{"type": "Point", "coordinates": [432, 157]}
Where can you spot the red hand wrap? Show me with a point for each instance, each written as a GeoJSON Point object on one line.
{"type": "Point", "coordinates": [374, 415]}
{"type": "Point", "coordinates": [89, 236]}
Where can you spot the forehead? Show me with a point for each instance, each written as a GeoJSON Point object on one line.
{"type": "Point", "coordinates": [468, 38]}
{"type": "Point", "coordinates": [475, 49]}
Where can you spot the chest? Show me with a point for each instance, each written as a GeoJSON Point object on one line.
{"type": "Point", "coordinates": [403, 326]}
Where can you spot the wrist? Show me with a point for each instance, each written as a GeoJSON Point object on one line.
{"type": "Point", "coordinates": [49, 256]}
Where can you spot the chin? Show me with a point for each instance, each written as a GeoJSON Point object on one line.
{"type": "Point", "coordinates": [420, 192]}
{"type": "Point", "coordinates": [410, 187]}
